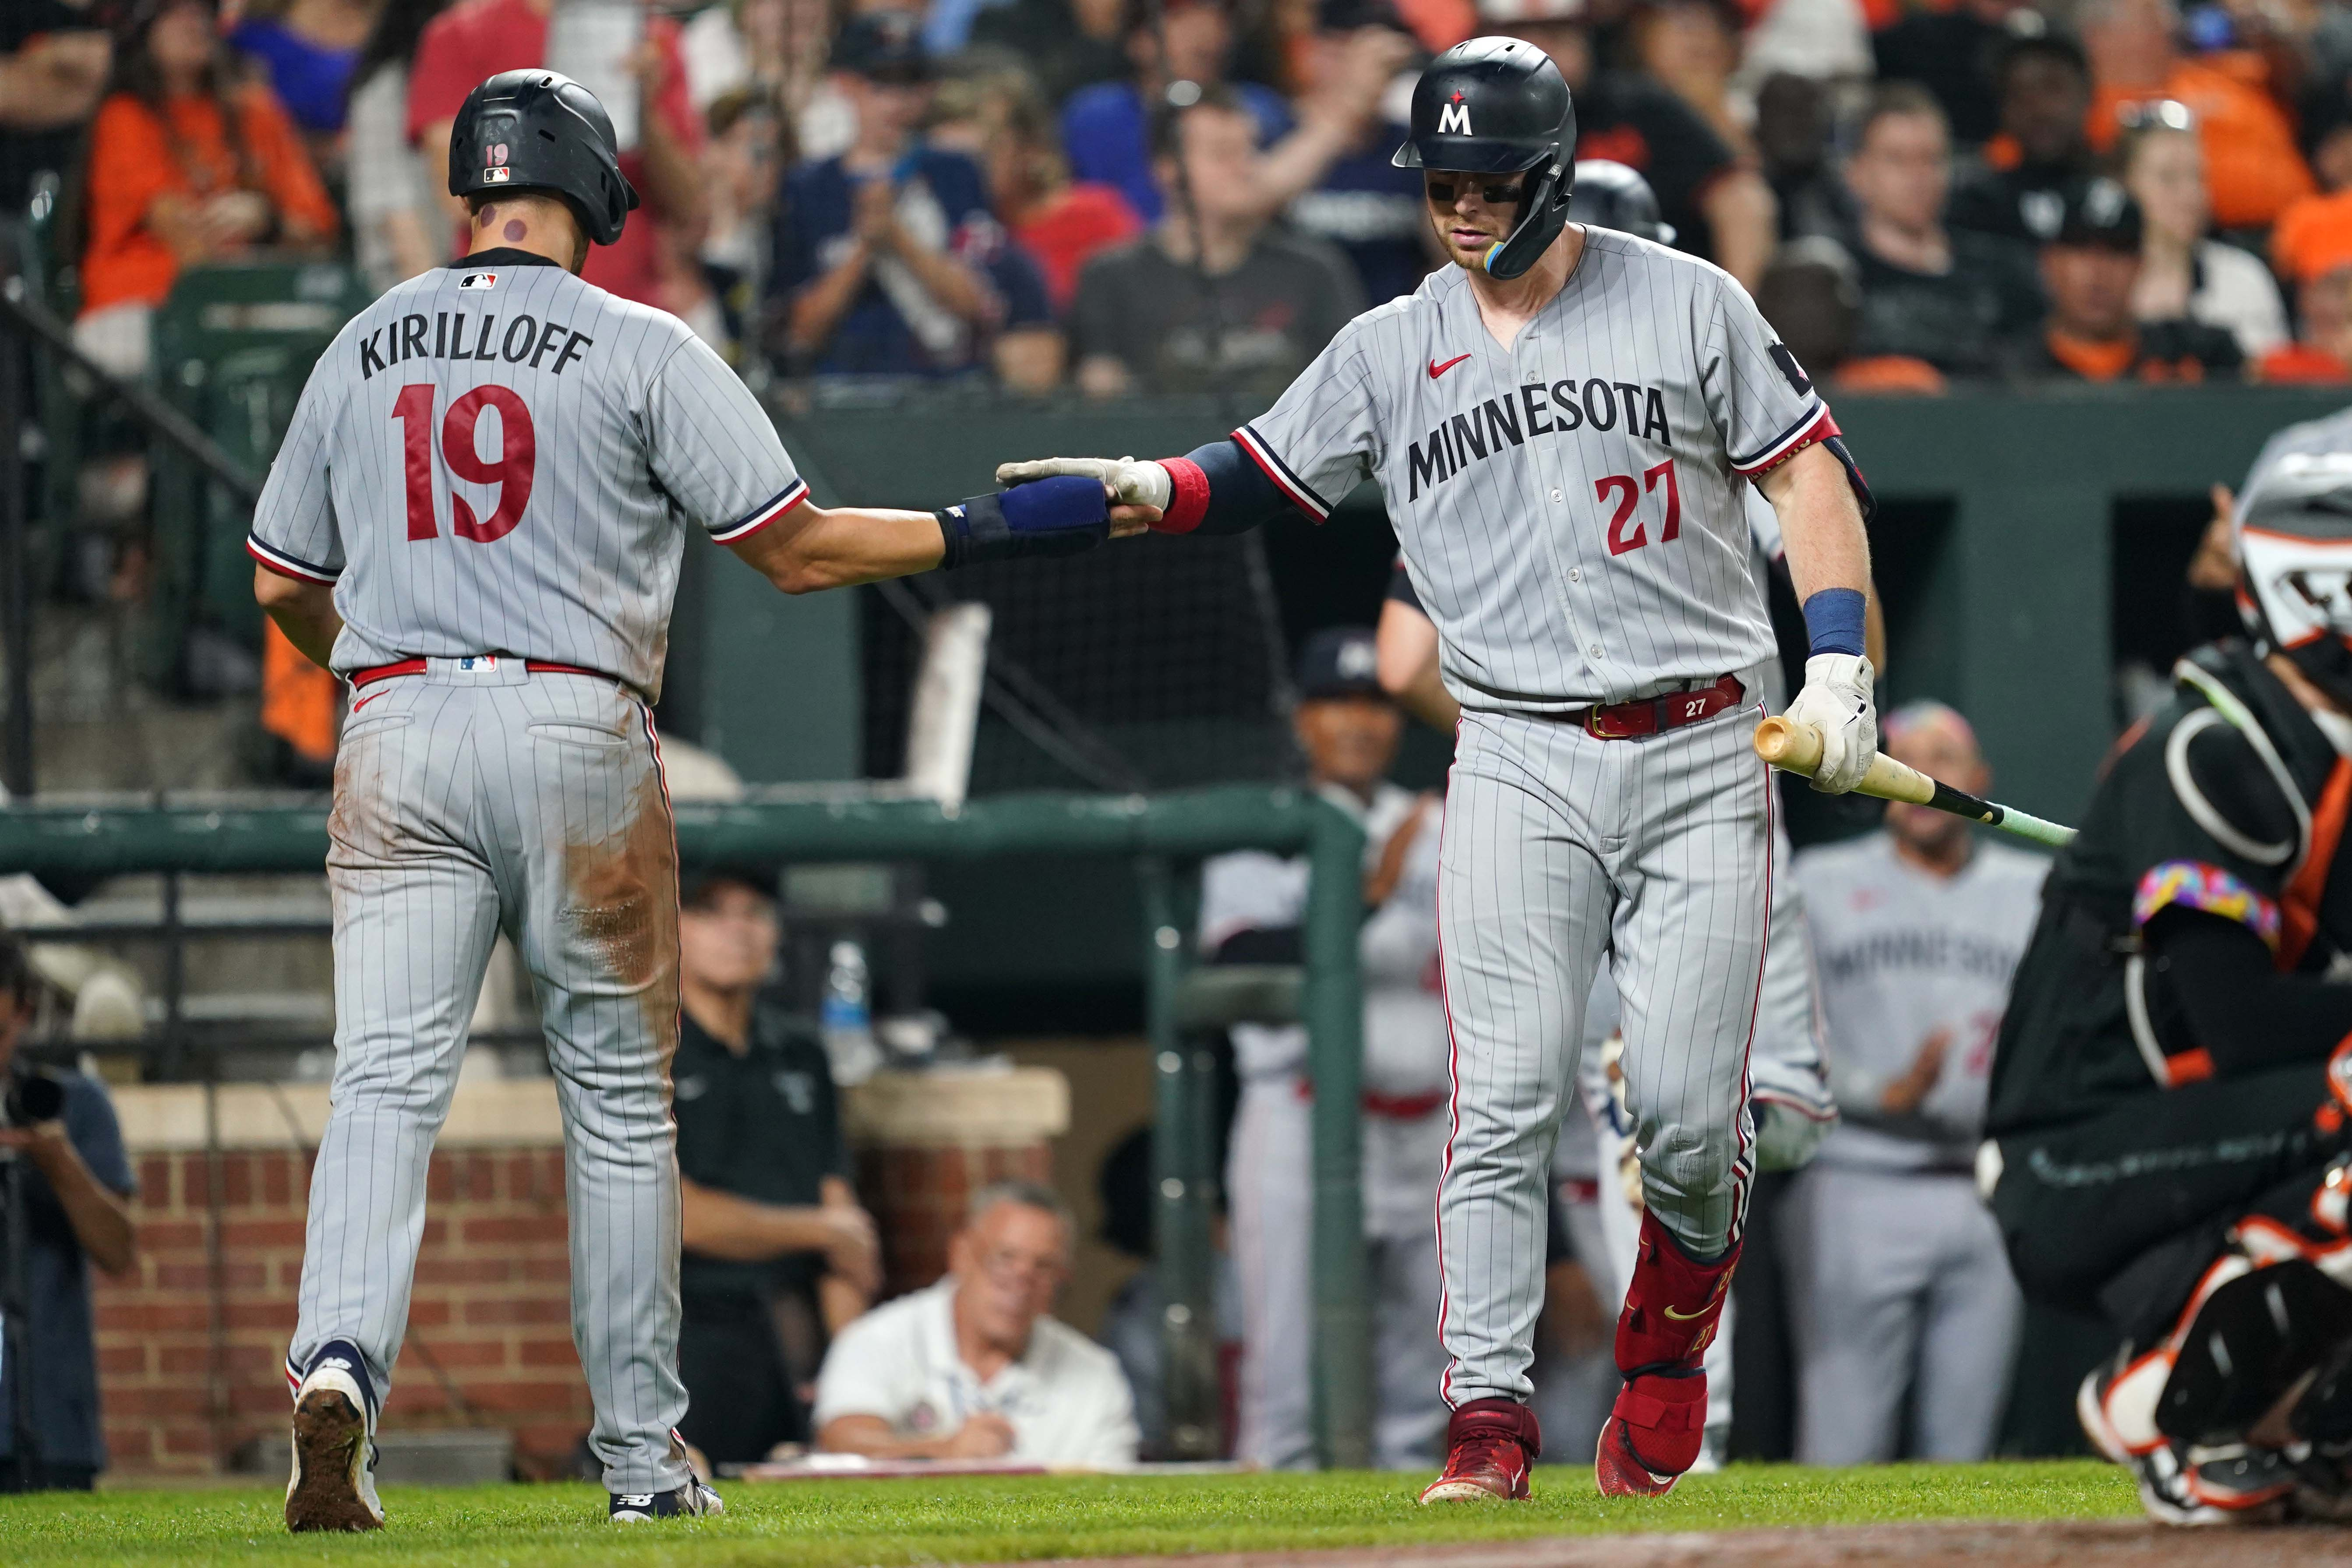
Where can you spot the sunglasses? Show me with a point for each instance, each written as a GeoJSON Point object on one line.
{"type": "Point", "coordinates": [1444, 189]}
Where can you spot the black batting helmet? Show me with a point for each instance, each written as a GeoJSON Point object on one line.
{"type": "Point", "coordinates": [540, 131]}
{"type": "Point", "coordinates": [1614, 195]}
{"type": "Point", "coordinates": [1496, 106]}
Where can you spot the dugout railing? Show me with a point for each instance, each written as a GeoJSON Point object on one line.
{"type": "Point", "coordinates": [1163, 836]}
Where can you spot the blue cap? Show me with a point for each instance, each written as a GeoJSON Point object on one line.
{"type": "Point", "coordinates": [1340, 661]}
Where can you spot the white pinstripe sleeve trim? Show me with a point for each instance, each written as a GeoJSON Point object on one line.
{"type": "Point", "coordinates": [1290, 484]}
{"type": "Point", "coordinates": [287, 565]}
{"type": "Point", "coordinates": [766, 512]}
{"type": "Point", "coordinates": [1814, 413]}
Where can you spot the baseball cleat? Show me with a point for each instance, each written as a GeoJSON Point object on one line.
{"type": "Point", "coordinates": [692, 1500]}
{"type": "Point", "coordinates": [2179, 1484]}
{"type": "Point", "coordinates": [1655, 1435]}
{"type": "Point", "coordinates": [1489, 1444]}
{"type": "Point", "coordinates": [333, 1483]}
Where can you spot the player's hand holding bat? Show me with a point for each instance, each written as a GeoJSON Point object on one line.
{"type": "Point", "coordinates": [1793, 746]}
{"type": "Point", "coordinates": [1836, 702]}
{"type": "Point", "coordinates": [1139, 492]}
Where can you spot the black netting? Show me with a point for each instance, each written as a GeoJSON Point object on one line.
{"type": "Point", "coordinates": [1148, 663]}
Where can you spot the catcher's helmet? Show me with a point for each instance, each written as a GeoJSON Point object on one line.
{"type": "Point", "coordinates": [1496, 106]}
{"type": "Point", "coordinates": [2295, 560]}
{"type": "Point", "coordinates": [1614, 195]}
{"type": "Point", "coordinates": [540, 131]}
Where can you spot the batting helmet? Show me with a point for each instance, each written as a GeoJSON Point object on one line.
{"type": "Point", "coordinates": [1614, 196]}
{"type": "Point", "coordinates": [2294, 555]}
{"type": "Point", "coordinates": [1497, 106]}
{"type": "Point", "coordinates": [540, 131]}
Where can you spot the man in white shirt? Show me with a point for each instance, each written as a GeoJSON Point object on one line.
{"type": "Point", "coordinates": [974, 1367]}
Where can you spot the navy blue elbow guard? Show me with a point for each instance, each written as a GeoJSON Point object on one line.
{"type": "Point", "coordinates": [1060, 516]}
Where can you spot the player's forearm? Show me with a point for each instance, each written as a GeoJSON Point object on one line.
{"type": "Point", "coordinates": [810, 548]}
{"type": "Point", "coordinates": [1821, 523]}
{"type": "Point", "coordinates": [1407, 666]}
{"type": "Point", "coordinates": [305, 611]}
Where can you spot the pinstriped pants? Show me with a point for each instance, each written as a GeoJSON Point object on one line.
{"type": "Point", "coordinates": [468, 803]}
{"type": "Point", "coordinates": [1561, 850]}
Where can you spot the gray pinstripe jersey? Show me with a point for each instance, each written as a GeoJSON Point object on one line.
{"type": "Point", "coordinates": [1570, 508]}
{"type": "Point", "coordinates": [498, 457]}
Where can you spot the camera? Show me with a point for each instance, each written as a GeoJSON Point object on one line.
{"type": "Point", "coordinates": [26, 1098]}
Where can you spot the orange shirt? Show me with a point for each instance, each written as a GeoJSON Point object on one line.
{"type": "Point", "coordinates": [2300, 364]}
{"type": "Point", "coordinates": [2251, 165]}
{"type": "Point", "coordinates": [136, 156]}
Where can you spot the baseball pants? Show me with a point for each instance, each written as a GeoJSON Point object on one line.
{"type": "Point", "coordinates": [1560, 848]}
{"type": "Point", "coordinates": [1270, 1188]}
{"type": "Point", "coordinates": [468, 803]}
{"type": "Point", "coordinates": [1900, 1284]}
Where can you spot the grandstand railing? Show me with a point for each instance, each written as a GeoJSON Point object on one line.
{"type": "Point", "coordinates": [1160, 834]}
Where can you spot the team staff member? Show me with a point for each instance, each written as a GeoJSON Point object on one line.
{"type": "Point", "coordinates": [2165, 1147]}
{"type": "Point", "coordinates": [778, 1254]}
{"type": "Point", "coordinates": [477, 518]}
{"type": "Point", "coordinates": [1563, 425]}
{"type": "Point", "coordinates": [1901, 1297]}
{"type": "Point", "coordinates": [1251, 906]}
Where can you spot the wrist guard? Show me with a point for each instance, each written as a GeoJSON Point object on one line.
{"type": "Point", "coordinates": [1060, 516]}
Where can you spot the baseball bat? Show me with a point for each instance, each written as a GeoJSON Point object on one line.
{"type": "Point", "coordinates": [1797, 748]}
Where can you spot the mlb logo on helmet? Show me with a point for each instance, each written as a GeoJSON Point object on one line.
{"type": "Point", "coordinates": [495, 171]}
{"type": "Point", "coordinates": [497, 176]}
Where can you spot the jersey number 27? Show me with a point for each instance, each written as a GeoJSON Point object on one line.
{"type": "Point", "coordinates": [510, 470]}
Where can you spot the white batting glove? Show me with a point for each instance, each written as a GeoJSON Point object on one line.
{"type": "Point", "coordinates": [1129, 483]}
{"type": "Point", "coordinates": [1836, 701]}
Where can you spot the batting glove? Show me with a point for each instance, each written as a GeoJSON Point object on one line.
{"type": "Point", "coordinates": [1126, 480]}
{"type": "Point", "coordinates": [1836, 701]}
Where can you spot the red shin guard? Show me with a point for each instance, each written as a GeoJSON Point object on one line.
{"type": "Point", "coordinates": [1658, 1424]}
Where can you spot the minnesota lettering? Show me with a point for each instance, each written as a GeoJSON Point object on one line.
{"type": "Point", "coordinates": [523, 338]}
{"type": "Point", "coordinates": [1476, 434]}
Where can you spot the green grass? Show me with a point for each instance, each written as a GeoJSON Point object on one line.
{"type": "Point", "coordinates": [830, 1524]}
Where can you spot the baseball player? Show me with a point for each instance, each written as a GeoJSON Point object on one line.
{"type": "Point", "coordinates": [1917, 929]}
{"type": "Point", "coordinates": [2168, 1138]}
{"type": "Point", "coordinates": [477, 518]}
{"type": "Point", "coordinates": [1251, 906]}
{"type": "Point", "coordinates": [1563, 423]}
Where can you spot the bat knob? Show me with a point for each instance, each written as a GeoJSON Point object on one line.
{"type": "Point", "coordinates": [1789, 746]}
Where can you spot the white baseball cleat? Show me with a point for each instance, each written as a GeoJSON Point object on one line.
{"type": "Point", "coordinates": [333, 1483]}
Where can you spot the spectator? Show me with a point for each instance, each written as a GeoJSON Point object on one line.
{"type": "Point", "coordinates": [1956, 53]}
{"type": "Point", "coordinates": [778, 47]}
{"type": "Point", "coordinates": [2183, 272]}
{"type": "Point", "coordinates": [1826, 39]}
{"type": "Point", "coordinates": [77, 1183]}
{"type": "Point", "coordinates": [1793, 136]}
{"type": "Point", "coordinates": [1252, 904]}
{"type": "Point", "coordinates": [740, 159]}
{"type": "Point", "coordinates": [397, 223]}
{"type": "Point", "coordinates": [778, 1254]}
{"type": "Point", "coordinates": [1916, 929]}
{"type": "Point", "coordinates": [1372, 211]}
{"type": "Point", "coordinates": [2041, 159]}
{"type": "Point", "coordinates": [476, 40]}
{"type": "Point", "coordinates": [888, 259]}
{"type": "Point", "coordinates": [974, 1367]}
{"type": "Point", "coordinates": [1691, 47]}
{"type": "Point", "coordinates": [54, 55]}
{"type": "Point", "coordinates": [2251, 164]}
{"type": "Point", "coordinates": [1242, 310]}
{"type": "Point", "coordinates": [2313, 248]}
{"type": "Point", "coordinates": [1812, 295]}
{"type": "Point", "coordinates": [1105, 128]}
{"type": "Point", "coordinates": [2328, 142]}
{"type": "Point", "coordinates": [1953, 298]}
{"type": "Point", "coordinates": [1717, 208]}
{"type": "Point", "coordinates": [1064, 44]}
{"type": "Point", "coordinates": [2088, 273]}
{"type": "Point", "coordinates": [1001, 122]}
{"type": "Point", "coordinates": [307, 49]}
{"type": "Point", "coordinates": [188, 166]}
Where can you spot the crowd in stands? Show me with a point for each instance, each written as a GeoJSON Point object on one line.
{"type": "Point", "coordinates": [1171, 194]}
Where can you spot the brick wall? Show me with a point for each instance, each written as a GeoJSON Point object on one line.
{"type": "Point", "coordinates": [918, 1196]}
{"type": "Point", "coordinates": [491, 1311]}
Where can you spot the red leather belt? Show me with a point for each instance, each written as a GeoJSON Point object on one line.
{"type": "Point", "coordinates": [369, 677]}
{"type": "Point", "coordinates": [1655, 715]}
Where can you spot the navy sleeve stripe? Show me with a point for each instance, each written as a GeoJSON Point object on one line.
{"type": "Point", "coordinates": [1300, 493]}
{"type": "Point", "coordinates": [766, 512]}
{"type": "Point", "coordinates": [287, 565]}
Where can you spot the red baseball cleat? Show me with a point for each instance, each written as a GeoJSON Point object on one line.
{"type": "Point", "coordinates": [1654, 1435]}
{"type": "Point", "coordinates": [1489, 1445]}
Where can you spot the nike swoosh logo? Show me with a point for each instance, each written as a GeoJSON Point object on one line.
{"type": "Point", "coordinates": [1436, 370]}
{"type": "Point", "coordinates": [1686, 1317]}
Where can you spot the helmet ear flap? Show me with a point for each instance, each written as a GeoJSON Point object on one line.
{"type": "Point", "coordinates": [1543, 213]}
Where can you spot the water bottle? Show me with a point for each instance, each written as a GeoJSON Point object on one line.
{"type": "Point", "coordinates": [847, 1016]}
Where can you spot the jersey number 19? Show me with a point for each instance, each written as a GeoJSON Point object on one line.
{"type": "Point", "coordinates": [510, 470]}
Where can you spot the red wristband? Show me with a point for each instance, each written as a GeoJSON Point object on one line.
{"type": "Point", "coordinates": [1189, 503]}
